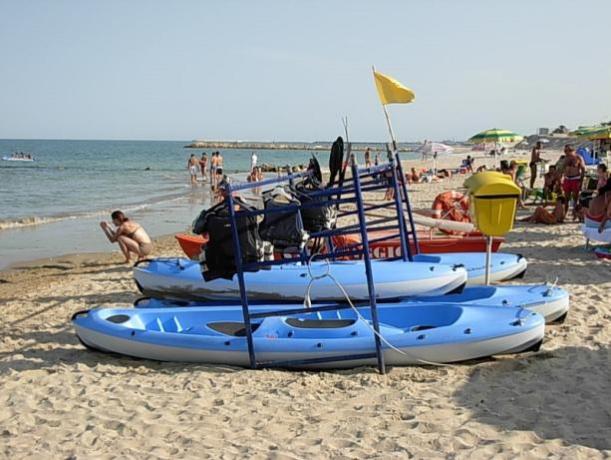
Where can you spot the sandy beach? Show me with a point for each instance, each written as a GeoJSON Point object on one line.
{"type": "Point", "coordinates": [59, 400]}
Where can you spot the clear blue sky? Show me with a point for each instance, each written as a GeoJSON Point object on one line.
{"type": "Point", "coordinates": [288, 70]}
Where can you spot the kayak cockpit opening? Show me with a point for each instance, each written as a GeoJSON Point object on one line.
{"type": "Point", "coordinates": [234, 328]}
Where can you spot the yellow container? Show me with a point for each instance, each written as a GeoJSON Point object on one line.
{"type": "Point", "coordinates": [494, 202]}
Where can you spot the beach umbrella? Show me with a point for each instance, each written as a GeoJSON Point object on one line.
{"type": "Point", "coordinates": [602, 132]}
{"type": "Point", "coordinates": [435, 147]}
{"type": "Point", "coordinates": [495, 136]}
{"type": "Point", "coordinates": [585, 131]}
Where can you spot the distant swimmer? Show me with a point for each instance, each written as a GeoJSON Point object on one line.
{"type": "Point", "coordinates": [130, 236]}
{"type": "Point", "coordinates": [192, 166]}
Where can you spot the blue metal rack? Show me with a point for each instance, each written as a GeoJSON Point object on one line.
{"type": "Point", "coordinates": [351, 192]}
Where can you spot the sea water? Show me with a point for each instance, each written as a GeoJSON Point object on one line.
{"type": "Point", "coordinates": [53, 206]}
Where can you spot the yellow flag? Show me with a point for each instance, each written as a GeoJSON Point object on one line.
{"type": "Point", "coordinates": [391, 91]}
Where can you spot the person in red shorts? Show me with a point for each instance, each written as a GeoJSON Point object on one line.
{"type": "Point", "coordinates": [573, 173]}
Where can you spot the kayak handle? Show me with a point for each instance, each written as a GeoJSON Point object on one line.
{"type": "Point", "coordinates": [79, 313]}
{"type": "Point", "coordinates": [142, 261]}
{"type": "Point", "coordinates": [141, 299]}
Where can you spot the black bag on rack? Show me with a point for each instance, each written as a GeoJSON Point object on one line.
{"type": "Point", "coordinates": [219, 259]}
{"type": "Point", "coordinates": [282, 229]}
{"type": "Point", "coordinates": [315, 218]}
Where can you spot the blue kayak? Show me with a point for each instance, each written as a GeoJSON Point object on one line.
{"type": "Point", "coordinates": [415, 334]}
{"type": "Point", "coordinates": [503, 266]}
{"type": "Point", "coordinates": [182, 279]}
{"type": "Point", "coordinates": [551, 302]}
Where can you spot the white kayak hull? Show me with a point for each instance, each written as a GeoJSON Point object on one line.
{"type": "Point", "coordinates": [417, 336]}
{"type": "Point", "coordinates": [182, 279]}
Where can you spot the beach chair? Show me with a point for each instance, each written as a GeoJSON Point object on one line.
{"type": "Point", "coordinates": [588, 159]}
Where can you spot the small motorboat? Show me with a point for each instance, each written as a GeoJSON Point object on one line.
{"type": "Point", "coordinates": [420, 334]}
{"type": "Point", "coordinates": [182, 279]}
{"type": "Point", "coordinates": [16, 158]}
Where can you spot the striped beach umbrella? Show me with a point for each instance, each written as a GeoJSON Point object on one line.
{"type": "Point", "coordinates": [602, 132]}
{"type": "Point", "coordinates": [584, 131]}
{"type": "Point", "coordinates": [493, 136]}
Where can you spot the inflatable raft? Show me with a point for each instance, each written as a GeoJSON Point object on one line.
{"type": "Point", "coordinates": [182, 279]}
{"type": "Point", "coordinates": [418, 334]}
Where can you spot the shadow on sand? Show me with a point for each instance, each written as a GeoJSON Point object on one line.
{"type": "Point", "coordinates": [49, 348]}
{"type": "Point", "coordinates": [563, 393]}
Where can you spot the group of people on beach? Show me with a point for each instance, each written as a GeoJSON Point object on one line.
{"type": "Point", "coordinates": [210, 168]}
{"type": "Point", "coordinates": [564, 182]}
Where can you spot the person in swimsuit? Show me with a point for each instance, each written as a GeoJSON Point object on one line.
{"type": "Point", "coordinates": [192, 164]}
{"type": "Point", "coordinates": [367, 158]}
{"type": "Point", "coordinates": [602, 175]}
{"type": "Point", "coordinates": [219, 167]}
{"type": "Point", "coordinates": [130, 236]}
{"type": "Point", "coordinates": [543, 216]}
{"type": "Point", "coordinates": [203, 165]}
{"type": "Point", "coordinates": [606, 213]}
{"type": "Point", "coordinates": [535, 159]}
{"type": "Point", "coordinates": [573, 172]}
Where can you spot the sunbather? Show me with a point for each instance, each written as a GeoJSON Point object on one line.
{"type": "Point", "coordinates": [543, 216]}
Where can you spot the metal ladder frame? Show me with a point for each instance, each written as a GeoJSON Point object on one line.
{"type": "Point", "coordinates": [363, 249]}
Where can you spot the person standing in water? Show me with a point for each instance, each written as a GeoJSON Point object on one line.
{"type": "Point", "coordinates": [192, 166]}
{"type": "Point", "coordinates": [219, 167]}
{"type": "Point", "coordinates": [253, 161]}
{"type": "Point", "coordinates": [212, 164]}
{"type": "Point", "coordinates": [130, 236]}
{"type": "Point", "coordinates": [203, 165]}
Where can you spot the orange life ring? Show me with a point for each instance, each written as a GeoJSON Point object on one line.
{"type": "Point", "coordinates": [452, 206]}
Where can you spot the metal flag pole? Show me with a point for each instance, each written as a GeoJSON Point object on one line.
{"type": "Point", "coordinates": [488, 257]}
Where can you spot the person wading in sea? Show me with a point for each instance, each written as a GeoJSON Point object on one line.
{"type": "Point", "coordinates": [203, 165]}
{"type": "Point", "coordinates": [192, 165]}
